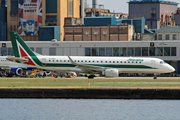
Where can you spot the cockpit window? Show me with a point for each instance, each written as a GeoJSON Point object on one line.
{"type": "Point", "coordinates": [162, 62]}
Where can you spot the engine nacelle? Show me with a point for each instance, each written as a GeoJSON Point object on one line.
{"type": "Point", "coordinates": [111, 73]}
{"type": "Point", "coordinates": [16, 71]}
{"type": "Point", "coordinates": [47, 73]}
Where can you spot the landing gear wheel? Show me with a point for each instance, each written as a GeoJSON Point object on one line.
{"type": "Point", "coordinates": [91, 77]}
{"type": "Point", "coordinates": [35, 76]}
{"type": "Point", "coordinates": [155, 76]}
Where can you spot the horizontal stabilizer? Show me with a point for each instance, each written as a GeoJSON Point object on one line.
{"type": "Point", "coordinates": [15, 59]}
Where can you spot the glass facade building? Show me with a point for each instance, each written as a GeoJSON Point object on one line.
{"type": "Point", "coordinates": [131, 51]}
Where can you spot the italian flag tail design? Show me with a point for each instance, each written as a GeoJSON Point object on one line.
{"type": "Point", "coordinates": [21, 50]}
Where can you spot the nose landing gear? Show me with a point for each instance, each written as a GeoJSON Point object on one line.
{"type": "Point", "coordinates": [155, 76]}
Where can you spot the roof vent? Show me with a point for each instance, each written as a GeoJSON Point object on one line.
{"type": "Point", "coordinates": [54, 40]}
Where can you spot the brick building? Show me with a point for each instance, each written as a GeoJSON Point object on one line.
{"type": "Point", "coordinates": [122, 32]}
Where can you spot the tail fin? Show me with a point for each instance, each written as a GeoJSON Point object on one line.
{"type": "Point", "coordinates": [20, 48]}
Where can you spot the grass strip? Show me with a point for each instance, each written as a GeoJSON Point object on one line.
{"type": "Point", "coordinates": [62, 82]}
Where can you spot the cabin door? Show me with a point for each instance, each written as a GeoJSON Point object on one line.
{"type": "Point", "coordinates": [153, 63]}
{"type": "Point", "coordinates": [44, 62]}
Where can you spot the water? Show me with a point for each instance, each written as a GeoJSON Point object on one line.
{"type": "Point", "coordinates": [72, 109]}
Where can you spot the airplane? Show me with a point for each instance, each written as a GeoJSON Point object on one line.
{"type": "Point", "coordinates": [10, 69]}
{"type": "Point", "coordinates": [105, 66]}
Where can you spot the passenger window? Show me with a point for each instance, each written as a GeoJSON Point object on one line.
{"type": "Point", "coordinates": [128, 62]}
{"type": "Point", "coordinates": [121, 62]}
{"type": "Point", "coordinates": [49, 60]}
{"type": "Point", "coordinates": [68, 60]}
{"type": "Point", "coordinates": [109, 61]}
{"type": "Point", "coordinates": [117, 61]}
{"type": "Point", "coordinates": [64, 60]}
{"type": "Point", "coordinates": [106, 61]}
{"type": "Point", "coordinates": [82, 61]}
{"type": "Point", "coordinates": [56, 60]}
{"type": "Point", "coordinates": [132, 62]}
{"type": "Point", "coordinates": [124, 61]}
{"type": "Point", "coordinates": [78, 60]}
{"type": "Point", "coordinates": [101, 61]}
{"type": "Point", "coordinates": [113, 61]}
{"type": "Point", "coordinates": [89, 61]}
{"type": "Point", "coordinates": [139, 62]}
{"type": "Point", "coordinates": [85, 61]}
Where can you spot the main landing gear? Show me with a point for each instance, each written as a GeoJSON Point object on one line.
{"type": "Point", "coordinates": [155, 76]}
{"type": "Point", "coordinates": [91, 76]}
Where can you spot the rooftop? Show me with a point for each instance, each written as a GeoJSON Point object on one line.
{"type": "Point", "coordinates": [154, 1]}
{"type": "Point", "coordinates": [169, 30]}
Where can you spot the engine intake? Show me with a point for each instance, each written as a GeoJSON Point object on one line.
{"type": "Point", "coordinates": [16, 71]}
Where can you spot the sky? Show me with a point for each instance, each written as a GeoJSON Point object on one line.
{"type": "Point", "coordinates": [117, 5]}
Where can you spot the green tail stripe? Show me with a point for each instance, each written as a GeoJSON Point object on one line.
{"type": "Point", "coordinates": [14, 44]}
{"type": "Point", "coordinates": [15, 36]}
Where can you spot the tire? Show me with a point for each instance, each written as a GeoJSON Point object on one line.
{"type": "Point", "coordinates": [91, 77]}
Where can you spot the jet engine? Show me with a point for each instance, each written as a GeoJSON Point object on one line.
{"type": "Point", "coordinates": [111, 73]}
{"type": "Point", "coordinates": [47, 73]}
{"type": "Point", "coordinates": [15, 71]}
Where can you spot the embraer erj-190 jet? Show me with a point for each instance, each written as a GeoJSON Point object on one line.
{"type": "Point", "coordinates": [106, 66]}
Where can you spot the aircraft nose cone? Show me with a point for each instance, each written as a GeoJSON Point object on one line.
{"type": "Point", "coordinates": [171, 69]}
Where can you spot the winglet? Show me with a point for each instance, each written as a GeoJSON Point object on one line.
{"type": "Point", "coordinates": [72, 61]}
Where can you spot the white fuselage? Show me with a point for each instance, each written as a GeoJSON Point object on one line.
{"type": "Point", "coordinates": [122, 64]}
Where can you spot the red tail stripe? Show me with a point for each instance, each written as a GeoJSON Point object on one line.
{"type": "Point", "coordinates": [24, 55]}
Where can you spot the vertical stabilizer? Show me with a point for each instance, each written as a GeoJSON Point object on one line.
{"type": "Point", "coordinates": [19, 46]}
{"type": "Point", "coordinates": [21, 50]}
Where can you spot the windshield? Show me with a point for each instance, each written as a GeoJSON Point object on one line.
{"type": "Point", "coordinates": [162, 62]}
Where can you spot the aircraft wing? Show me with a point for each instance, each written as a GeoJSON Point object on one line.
{"type": "Point", "coordinates": [87, 68]}
{"type": "Point", "coordinates": [15, 59]}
